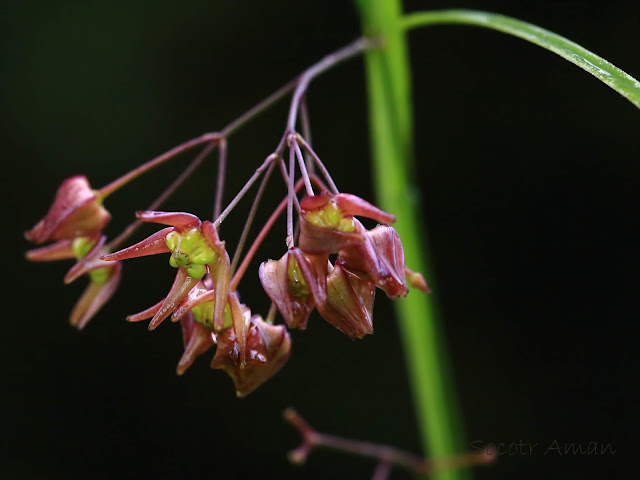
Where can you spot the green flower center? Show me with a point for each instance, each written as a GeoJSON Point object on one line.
{"type": "Point", "coordinates": [298, 288]}
{"type": "Point", "coordinates": [203, 314]}
{"type": "Point", "coordinates": [331, 217]}
{"type": "Point", "coordinates": [191, 251]}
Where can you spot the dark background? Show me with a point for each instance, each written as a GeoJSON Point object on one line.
{"type": "Point", "coordinates": [529, 173]}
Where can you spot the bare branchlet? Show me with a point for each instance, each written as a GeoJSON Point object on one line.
{"type": "Point", "coordinates": [385, 455]}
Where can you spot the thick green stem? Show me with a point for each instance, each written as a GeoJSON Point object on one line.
{"type": "Point", "coordinates": [389, 91]}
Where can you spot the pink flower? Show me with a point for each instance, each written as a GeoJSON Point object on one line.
{"type": "Point", "coordinates": [76, 211]}
{"type": "Point", "coordinates": [295, 283]}
{"type": "Point", "coordinates": [195, 250]}
{"type": "Point", "coordinates": [252, 351]}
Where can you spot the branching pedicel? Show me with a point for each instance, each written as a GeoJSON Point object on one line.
{"type": "Point", "coordinates": [203, 297]}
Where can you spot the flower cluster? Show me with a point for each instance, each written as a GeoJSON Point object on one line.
{"type": "Point", "coordinates": [332, 264]}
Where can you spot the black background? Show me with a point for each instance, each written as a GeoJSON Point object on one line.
{"type": "Point", "coordinates": [528, 169]}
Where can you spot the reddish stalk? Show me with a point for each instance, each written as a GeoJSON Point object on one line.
{"type": "Point", "coordinates": [303, 167]}
{"type": "Point", "coordinates": [306, 133]}
{"type": "Point", "coordinates": [244, 189]}
{"type": "Point", "coordinates": [222, 168]}
{"type": "Point", "coordinates": [117, 241]}
{"type": "Point", "coordinates": [250, 217]}
{"type": "Point", "coordinates": [326, 63]}
{"type": "Point", "coordinates": [316, 159]}
{"type": "Point", "coordinates": [385, 454]}
{"type": "Point", "coordinates": [290, 196]}
{"type": "Point", "coordinates": [260, 238]}
{"type": "Point", "coordinates": [145, 167]}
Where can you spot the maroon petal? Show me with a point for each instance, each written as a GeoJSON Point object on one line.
{"type": "Point", "coordinates": [416, 280]}
{"type": "Point", "coordinates": [220, 270]}
{"type": "Point", "coordinates": [241, 316]}
{"type": "Point", "coordinates": [197, 339]}
{"type": "Point", "coordinates": [90, 261]}
{"type": "Point", "coordinates": [295, 305]}
{"type": "Point", "coordinates": [61, 250]}
{"type": "Point", "coordinates": [351, 205]}
{"type": "Point", "coordinates": [180, 220]}
{"type": "Point", "coordinates": [94, 297]}
{"type": "Point", "coordinates": [381, 257]}
{"type": "Point", "coordinates": [149, 246]}
{"type": "Point", "coordinates": [318, 240]}
{"type": "Point", "coordinates": [349, 305]}
{"type": "Point", "coordinates": [295, 309]}
{"type": "Point", "coordinates": [198, 294]}
{"type": "Point", "coordinates": [145, 314]}
{"type": "Point", "coordinates": [314, 272]}
{"type": "Point", "coordinates": [75, 212]}
{"type": "Point", "coordinates": [179, 290]}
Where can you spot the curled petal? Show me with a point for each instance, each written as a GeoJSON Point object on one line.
{"type": "Point", "coordinates": [197, 339]}
{"type": "Point", "coordinates": [352, 205]}
{"type": "Point", "coordinates": [149, 246]}
{"type": "Point", "coordinates": [180, 220]}
{"type": "Point", "coordinates": [268, 349]}
{"type": "Point", "coordinates": [381, 257]}
{"type": "Point", "coordinates": [91, 261]}
{"type": "Point", "coordinates": [318, 240]}
{"type": "Point", "coordinates": [349, 305]}
{"type": "Point", "coordinates": [94, 297]}
{"type": "Point", "coordinates": [76, 212]}
{"type": "Point", "coordinates": [179, 290]}
{"type": "Point", "coordinates": [61, 250]}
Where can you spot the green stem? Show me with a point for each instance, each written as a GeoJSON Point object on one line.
{"type": "Point", "coordinates": [600, 68]}
{"type": "Point", "coordinates": [390, 117]}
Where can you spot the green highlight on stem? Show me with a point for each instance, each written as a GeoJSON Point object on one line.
{"type": "Point", "coordinates": [390, 117]}
{"type": "Point", "coordinates": [617, 79]}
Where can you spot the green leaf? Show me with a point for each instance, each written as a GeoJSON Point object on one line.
{"type": "Point", "coordinates": [606, 72]}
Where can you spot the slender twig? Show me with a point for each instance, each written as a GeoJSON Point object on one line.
{"type": "Point", "coordinates": [250, 217]}
{"type": "Point", "coordinates": [383, 453]}
{"type": "Point", "coordinates": [285, 177]}
{"type": "Point", "coordinates": [316, 159]}
{"type": "Point", "coordinates": [258, 108]}
{"type": "Point", "coordinates": [260, 238]}
{"type": "Point", "coordinates": [306, 133]}
{"type": "Point", "coordinates": [244, 189]}
{"type": "Point", "coordinates": [290, 195]}
{"type": "Point", "coordinates": [301, 164]}
{"type": "Point", "coordinates": [222, 168]}
{"type": "Point", "coordinates": [129, 230]}
{"type": "Point", "coordinates": [326, 63]}
{"type": "Point", "coordinates": [145, 167]}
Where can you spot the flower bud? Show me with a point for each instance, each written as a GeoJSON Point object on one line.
{"type": "Point", "coordinates": [295, 283]}
{"type": "Point", "coordinates": [76, 211]}
{"type": "Point", "coordinates": [349, 304]}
